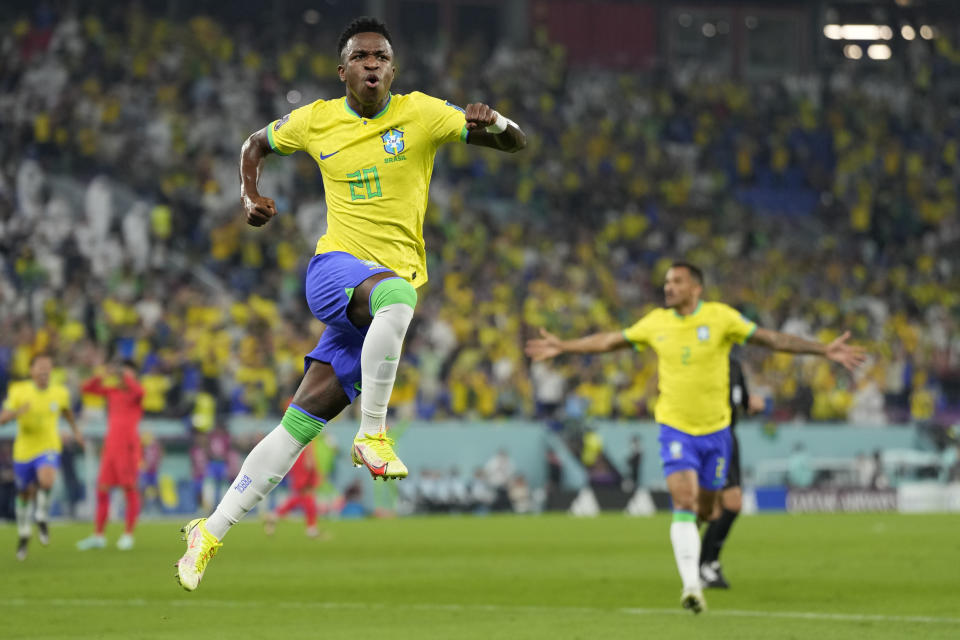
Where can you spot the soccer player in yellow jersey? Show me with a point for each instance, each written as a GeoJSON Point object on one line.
{"type": "Point", "coordinates": [36, 405]}
{"type": "Point", "coordinates": [375, 151]}
{"type": "Point", "coordinates": [692, 340]}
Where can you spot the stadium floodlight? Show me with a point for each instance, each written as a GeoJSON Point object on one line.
{"type": "Point", "coordinates": [858, 31]}
{"type": "Point", "coordinates": [879, 52]}
{"type": "Point", "coordinates": [862, 31]}
{"type": "Point", "coordinates": [926, 32]}
{"type": "Point", "coordinates": [853, 51]}
{"type": "Point", "coordinates": [833, 31]}
{"type": "Point", "coordinates": [709, 30]}
{"type": "Point", "coordinates": [908, 32]}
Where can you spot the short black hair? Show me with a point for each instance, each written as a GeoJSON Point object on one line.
{"type": "Point", "coordinates": [694, 270]}
{"type": "Point", "coordinates": [363, 24]}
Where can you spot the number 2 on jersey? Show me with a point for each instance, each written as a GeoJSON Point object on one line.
{"type": "Point", "coordinates": [685, 356]}
{"type": "Point", "coordinates": [365, 180]}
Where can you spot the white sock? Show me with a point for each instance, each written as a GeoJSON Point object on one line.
{"type": "Point", "coordinates": [22, 510]}
{"type": "Point", "coordinates": [40, 513]}
{"type": "Point", "coordinates": [378, 364]}
{"type": "Point", "coordinates": [262, 470]}
{"type": "Point", "coordinates": [686, 549]}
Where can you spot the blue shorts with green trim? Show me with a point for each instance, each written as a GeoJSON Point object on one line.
{"type": "Point", "coordinates": [708, 455]}
{"type": "Point", "coordinates": [331, 279]}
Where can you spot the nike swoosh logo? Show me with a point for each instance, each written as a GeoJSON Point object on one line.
{"type": "Point", "coordinates": [272, 481]}
{"type": "Point", "coordinates": [391, 358]}
{"type": "Point", "coordinates": [324, 157]}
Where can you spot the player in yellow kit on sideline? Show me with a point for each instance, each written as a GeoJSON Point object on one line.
{"type": "Point", "coordinates": [37, 406]}
{"type": "Point", "coordinates": [692, 340]}
{"type": "Point", "coordinates": [375, 151]}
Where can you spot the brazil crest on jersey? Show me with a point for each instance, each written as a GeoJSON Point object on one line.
{"type": "Point", "coordinates": [693, 363]}
{"type": "Point", "coordinates": [376, 172]}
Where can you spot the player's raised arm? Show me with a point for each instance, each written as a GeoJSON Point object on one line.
{"type": "Point", "coordinates": [550, 346]}
{"type": "Point", "coordinates": [258, 209]}
{"type": "Point", "coordinates": [487, 128]}
{"type": "Point", "coordinates": [848, 355]}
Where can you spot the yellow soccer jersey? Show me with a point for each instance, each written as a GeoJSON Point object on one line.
{"type": "Point", "coordinates": [693, 363]}
{"type": "Point", "coordinates": [37, 428]}
{"type": "Point", "coordinates": [376, 172]}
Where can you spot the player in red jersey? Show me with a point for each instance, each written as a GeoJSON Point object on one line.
{"type": "Point", "coordinates": [120, 462]}
{"type": "Point", "coordinates": [304, 478]}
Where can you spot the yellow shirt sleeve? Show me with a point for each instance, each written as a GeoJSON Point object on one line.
{"type": "Point", "coordinates": [63, 397]}
{"type": "Point", "coordinates": [738, 328]}
{"type": "Point", "coordinates": [12, 399]}
{"type": "Point", "coordinates": [289, 133]}
{"type": "Point", "coordinates": [444, 121]}
{"type": "Point", "coordinates": [639, 332]}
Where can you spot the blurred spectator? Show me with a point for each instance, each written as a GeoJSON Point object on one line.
{"type": "Point", "coordinates": [799, 469]}
{"type": "Point", "coordinates": [497, 472]}
{"type": "Point", "coordinates": [634, 465]}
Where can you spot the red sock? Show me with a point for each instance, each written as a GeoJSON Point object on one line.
{"type": "Point", "coordinates": [133, 508]}
{"type": "Point", "coordinates": [310, 508]}
{"type": "Point", "coordinates": [103, 507]}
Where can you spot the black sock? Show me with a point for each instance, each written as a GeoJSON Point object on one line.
{"type": "Point", "coordinates": [715, 535]}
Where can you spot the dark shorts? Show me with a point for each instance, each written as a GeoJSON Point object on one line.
{"type": "Point", "coordinates": [331, 279]}
{"type": "Point", "coordinates": [708, 455]}
{"type": "Point", "coordinates": [733, 472]}
{"type": "Point", "coordinates": [25, 473]}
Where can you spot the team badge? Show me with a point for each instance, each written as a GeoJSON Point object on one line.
{"type": "Point", "coordinates": [281, 122]}
{"type": "Point", "coordinates": [676, 450]}
{"type": "Point", "coordinates": [703, 333]}
{"type": "Point", "coordinates": [393, 142]}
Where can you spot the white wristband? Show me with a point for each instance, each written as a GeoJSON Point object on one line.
{"type": "Point", "coordinates": [500, 125]}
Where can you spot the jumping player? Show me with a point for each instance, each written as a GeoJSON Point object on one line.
{"type": "Point", "coordinates": [120, 462]}
{"type": "Point", "coordinates": [692, 340]}
{"type": "Point", "coordinates": [37, 405]}
{"type": "Point", "coordinates": [375, 151]}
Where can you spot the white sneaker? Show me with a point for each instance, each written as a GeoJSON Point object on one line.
{"type": "Point", "coordinates": [92, 542]}
{"type": "Point", "coordinates": [125, 543]}
{"type": "Point", "coordinates": [693, 599]}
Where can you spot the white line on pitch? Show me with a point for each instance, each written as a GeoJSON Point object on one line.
{"type": "Point", "coordinates": [235, 604]}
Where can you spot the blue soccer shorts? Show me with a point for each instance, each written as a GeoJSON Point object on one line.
{"type": "Point", "coordinates": [708, 455]}
{"type": "Point", "coordinates": [331, 279]}
{"type": "Point", "coordinates": [25, 473]}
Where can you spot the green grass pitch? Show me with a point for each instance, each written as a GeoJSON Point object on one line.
{"type": "Point", "coordinates": [866, 576]}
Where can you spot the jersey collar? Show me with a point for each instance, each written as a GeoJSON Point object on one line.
{"type": "Point", "coordinates": [380, 113]}
{"type": "Point", "coordinates": [693, 313]}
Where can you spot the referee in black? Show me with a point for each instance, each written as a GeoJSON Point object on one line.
{"type": "Point", "coordinates": [731, 498]}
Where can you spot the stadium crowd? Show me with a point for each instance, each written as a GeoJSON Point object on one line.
{"type": "Point", "coordinates": [814, 204]}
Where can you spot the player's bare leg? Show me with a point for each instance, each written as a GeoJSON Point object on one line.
{"type": "Point", "coordinates": [688, 501]}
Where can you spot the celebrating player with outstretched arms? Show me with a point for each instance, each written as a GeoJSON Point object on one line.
{"type": "Point", "coordinates": [692, 340]}
{"type": "Point", "coordinates": [375, 151]}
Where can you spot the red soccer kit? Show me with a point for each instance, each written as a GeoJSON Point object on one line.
{"type": "Point", "coordinates": [120, 463]}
